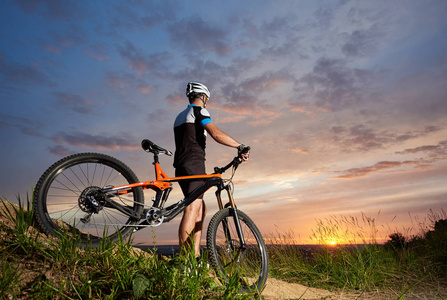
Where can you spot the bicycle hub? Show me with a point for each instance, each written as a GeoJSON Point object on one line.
{"type": "Point", "coordinates": [91, 200]}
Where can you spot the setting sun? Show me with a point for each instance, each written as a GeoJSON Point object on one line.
{"type": "Point", "coordinates": [332, 243]}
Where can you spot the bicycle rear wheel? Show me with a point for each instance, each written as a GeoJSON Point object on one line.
{"type": "Point", "coordinates": [227, 256]}
{"type": "Point", "coordinates": [68, 199]}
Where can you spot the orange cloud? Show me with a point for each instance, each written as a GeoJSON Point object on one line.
{"type": "Point", "coordinates": [260, 114]}
{"type": "Point", "coordinates": [377, 168]}
{"type": "Point", "coordinates": [145, 88]}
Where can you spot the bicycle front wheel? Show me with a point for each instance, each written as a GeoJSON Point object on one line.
{"type": "Point", "coordinates": [68, 199]}
{"type": "Point", "coordinates": [229, 258]}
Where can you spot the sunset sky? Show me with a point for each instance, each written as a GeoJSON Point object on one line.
{"type": "Point", "coordinates": [344, 103]}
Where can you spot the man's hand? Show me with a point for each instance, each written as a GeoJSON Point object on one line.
{"type": "Point", "coordinates": [243, 152]}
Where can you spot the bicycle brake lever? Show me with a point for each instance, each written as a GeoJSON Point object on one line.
{"type": "Point", "coordinates": [235, 162]}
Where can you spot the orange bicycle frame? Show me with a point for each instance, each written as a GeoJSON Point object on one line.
{"type": "Point", "coordinates": [162, 181]}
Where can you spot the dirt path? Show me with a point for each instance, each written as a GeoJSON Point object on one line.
{"type": "Point", "coordinates": [279, 290]}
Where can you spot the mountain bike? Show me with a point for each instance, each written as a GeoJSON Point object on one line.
{"type": "Point", "coordinates": [96, 196]}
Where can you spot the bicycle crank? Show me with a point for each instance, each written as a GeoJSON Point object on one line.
{"type": "Point", "coordinates": [154, 217]}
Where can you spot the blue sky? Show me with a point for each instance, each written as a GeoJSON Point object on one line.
{"type": "Point", "coordinates": [342, 102]}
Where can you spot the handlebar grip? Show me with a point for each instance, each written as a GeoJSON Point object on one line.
{"type": "Point", "coordinates": [242, 149]}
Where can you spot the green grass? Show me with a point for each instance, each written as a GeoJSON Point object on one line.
{"type": "Point", "coordinates": [35, 266]}
{"type": "Point", "coordinates": [362, 264]}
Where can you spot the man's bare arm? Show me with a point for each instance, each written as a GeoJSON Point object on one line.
{"type": "Point", "coordinates": [220, 136]}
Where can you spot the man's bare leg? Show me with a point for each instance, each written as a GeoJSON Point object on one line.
{"type": "Point", "coordinates": [191, 226]}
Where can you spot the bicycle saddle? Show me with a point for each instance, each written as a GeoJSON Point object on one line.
{"type": "Point", "coordinates": [149, 146]}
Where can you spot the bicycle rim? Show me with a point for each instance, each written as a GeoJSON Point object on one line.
{"type": "Point", "coordinates": [65, 202]}
{"type": "Point", "coordinates": [249, 266]}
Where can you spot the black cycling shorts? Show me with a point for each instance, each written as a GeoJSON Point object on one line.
{"type": "Point", "coordinates": [190, 168]}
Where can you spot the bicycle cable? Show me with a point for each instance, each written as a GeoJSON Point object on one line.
{"type": "Point", "coordinates": [230, 180]}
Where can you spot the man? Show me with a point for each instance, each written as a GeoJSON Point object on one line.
{"type": "Point", "coordinates": [190, 130]}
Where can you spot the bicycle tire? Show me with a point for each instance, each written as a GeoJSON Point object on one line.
{"type": "Point", "coordinates": [60, 195]}
{"type": "Point", "coordinates": [251, 265]}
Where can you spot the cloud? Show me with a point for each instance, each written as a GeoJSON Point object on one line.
{"type": "Point", "coordinates": [279, 39]}
{"type": "Point", "coordinates": [153, 64]}
{"type": "Point", "coordinates": [439, 148]}
{"type": "Point", "coordinates": [291, 47]}
{"type": "Point", "coordinates": [177, 99]}
{"type": "Point", "coordinates": [119, 80]}
{"type": "Point", "coordinates": [423, 91]}
{"type": "Point", "coordinates": [267, 82]}
{"type": "Point", "coordinates": [144, 88]}
{"type": "Point", "coordinates": [247, 91]}
{"type": "Point", "coordinates": [88, 141]}
{"type": "Point", "coordinates": [361, 138]}
{"type": "Point", "coordinates": [364, 139]}
{"type": "Point", "coordinates": [195, 33]}
{"type": "Point", "coordinates": [97, 51]}
{"type": "Point", "coordinates": [291, 142]}
{"type": "Point", "coordinates": [208, 72]}
{"type": "Point", "coordinates": [123, 80]}
{"type": "Point", "coordinates": [21, 74]}
{"type": "Point", "coordinates": [135, 60]}
{"type": "Point", "coordinates": [333, 85]}
{"type": "Point", "coordinates": [158, 116]}
{"type": "Point", "coordinates": [65, 37]}
{"type": "Point", "coordinates": [362, 43]}
{"type": "Point", "coordinates": [304, 108]}
{"type": "Point", "coordinates": [324, 17]}
{"type": "Point", "coordinates": [143, 16]}
{"type": "Point", "coordinates": [60, 151]}
{"type": "Point", "coordinates": [434, 152]}
{"type": "Point", "coordinates": [74, 102]}
{"type": "Point", "coordinates": [25, 125]}
{"type": "Point", "coordinates": [69, 36]}
{"type": "Point", "coordinates": [380, 167]}
{"type": "Point", "coordinates": [53, 9]}
{"type": "Point", "coordinates": [254, 114]}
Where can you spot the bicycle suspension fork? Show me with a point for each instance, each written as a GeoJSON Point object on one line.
{"type": "Point", "coordinates": [233, 211]}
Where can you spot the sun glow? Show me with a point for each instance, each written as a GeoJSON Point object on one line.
{"type": "Point", "coordinates": [332, 243]}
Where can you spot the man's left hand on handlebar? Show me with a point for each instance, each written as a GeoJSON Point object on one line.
{"type": "Point", "coordinates": [243, 152]}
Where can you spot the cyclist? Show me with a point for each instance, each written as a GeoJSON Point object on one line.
{"type": "Point", "coordinates": [190, 130]}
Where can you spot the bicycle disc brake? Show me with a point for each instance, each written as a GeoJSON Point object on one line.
{"type": "Point", "coordinates": [154, 217]}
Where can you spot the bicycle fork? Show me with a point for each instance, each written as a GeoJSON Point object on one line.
{"type": "Point", "coordinates": [233, 211]}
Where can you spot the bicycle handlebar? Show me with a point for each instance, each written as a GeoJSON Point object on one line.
{"type": "Point", "coordinates": [149, 146]}
{"type": "Point", "coordinates": [235, 162]}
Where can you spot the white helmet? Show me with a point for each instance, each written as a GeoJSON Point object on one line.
{"type": "Point", "coordinates": [197, 88]}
